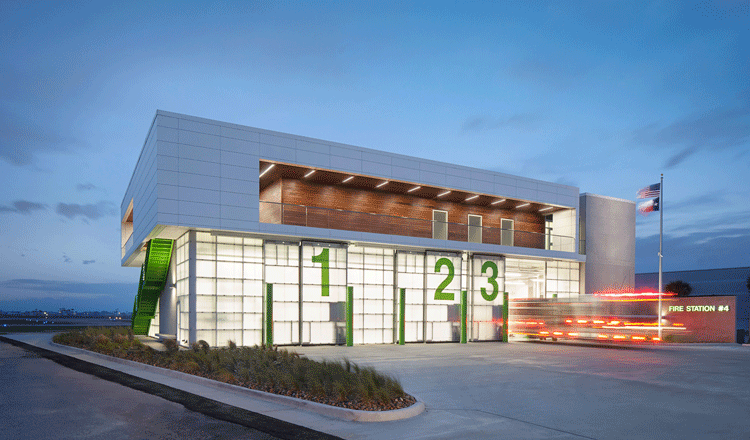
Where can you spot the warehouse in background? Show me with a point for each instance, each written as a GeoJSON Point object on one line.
{"type": "Point", "coordinates": [216, 212]}
{"type": "Point", "coordinates": [709, 283]}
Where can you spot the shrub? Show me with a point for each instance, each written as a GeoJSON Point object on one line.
{"type": "Point", "coordinates": [261, 367]}
{"type": "Point", "coordinates": [171, 345]}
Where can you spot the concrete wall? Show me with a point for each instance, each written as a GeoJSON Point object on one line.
{"type": "Point", "coordinates": [705, 319]}
{"type": "Point", "coordinates": [609, 230]}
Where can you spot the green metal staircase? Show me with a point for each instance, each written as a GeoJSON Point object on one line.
{"type": "Point", "coordinates": [153, 277]}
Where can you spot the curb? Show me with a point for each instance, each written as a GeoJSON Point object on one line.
{"type": "Point", "coordinates": [352, 415]}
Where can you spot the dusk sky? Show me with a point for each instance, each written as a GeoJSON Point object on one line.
{"type": "Point", "coordinates": [604, 96]}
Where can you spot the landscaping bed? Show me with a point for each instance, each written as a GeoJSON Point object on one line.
{"type": "Point", "coordinates": [270, 369]}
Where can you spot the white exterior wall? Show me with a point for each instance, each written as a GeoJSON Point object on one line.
{"type": "Point", "coordinates": [142, 190]}
{"type": "Point", "coordinates": [564, 224]}
{"type": "Point", "coordinates": [610, 243]}
{"type": "Point", "coordinates": [200, 173]}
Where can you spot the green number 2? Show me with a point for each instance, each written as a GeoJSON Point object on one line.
{"type": "Point", "coordinates": [491, 280]}
{"type": "Point", "coordinates": [439, 294]}
{"type": "Point", "coordinates": [322, 257]}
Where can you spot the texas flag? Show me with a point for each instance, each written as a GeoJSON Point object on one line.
{"type": "Point", "coordinates": [649, 206]}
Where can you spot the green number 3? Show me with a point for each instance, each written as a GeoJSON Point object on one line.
{"type": "Point", "coordinates": [439, 294]}
{"type": "Point", "coordinates": [491, 280]}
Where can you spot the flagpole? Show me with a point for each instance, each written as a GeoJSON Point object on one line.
{"type": "Point", "coordinates": [661, 232]}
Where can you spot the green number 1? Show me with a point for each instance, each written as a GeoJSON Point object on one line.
{"type": "Point", "coordinates": [322, 257]}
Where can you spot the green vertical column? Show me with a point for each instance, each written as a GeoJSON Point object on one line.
{"type": "Point", "coordinates": [269, 314]}
{"type": "Point", "coordinates": [505, 317]}
{"type": "Point", "coordinates": [349, 316]}
{"type": "Point", "coordinates": [401, 316]}
{"type": "Point", "coordinates": [463, 316]}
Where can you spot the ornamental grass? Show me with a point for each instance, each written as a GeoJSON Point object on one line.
{"type": "Point", "coordinates": [271, 369]}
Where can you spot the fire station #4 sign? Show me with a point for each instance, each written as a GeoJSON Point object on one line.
{"type": "Point", "coordinates": [711, 308]}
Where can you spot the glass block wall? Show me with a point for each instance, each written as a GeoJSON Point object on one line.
{"type": "Point", "coordinates": [562, 279]}
{"type": "Point", "coordinates": [183, 305]}
{"type": "Point", "coordinates": [231, 273]}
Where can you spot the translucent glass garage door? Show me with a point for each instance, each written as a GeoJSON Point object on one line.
{"type": "Point", "coordinates": [282, 270]}
{"type": "Point", "coordinates": [323, 294]}
{"type": "Point", "coordinates": [371, 275]}
{"type": "Point", "coordinates": [443, 296]}
{"type": "Point", "coordinates": [488, 285]}
{"type": "Point", "coordinates": [410, 276]}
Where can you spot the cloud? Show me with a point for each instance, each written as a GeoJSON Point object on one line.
{"type": "Point", "coordinates": [717, 129]}
{"type": "Point", "coordinates": [89, 211]}
{"type": "Point", "coordinates": [67, 259]}
{"type": "Point", "coordinates": [85, 187]}
{"type": "Point", "coordinates": [556, 72]}
{"type": "Point", "coordinates": [89, 261]}
{"type": "Point", "coordinates": [22, 141]}
{"type": "Point", "coordinates": [697, 250]}
{"type": "Point", "coordinates": [482, 123]}
{"type": "Point", "coordinates": [23, 207]}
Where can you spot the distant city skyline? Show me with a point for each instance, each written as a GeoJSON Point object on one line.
{"type": "Point", "coordinates": [602, 96]}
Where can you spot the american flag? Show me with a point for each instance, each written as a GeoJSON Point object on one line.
{"type": "Point", "coordinates": [650, 191]}
{"type": "Point", "coordinates": [649, 206]}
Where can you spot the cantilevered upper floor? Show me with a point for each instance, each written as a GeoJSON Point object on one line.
{"type": "Point", "coordinates": [195, 173]}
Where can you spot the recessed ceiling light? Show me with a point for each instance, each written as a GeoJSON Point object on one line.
{"type": "Point", "coordinates": [348, 179]}
{"type": "Point", "coordinates": [472, 197]}
{"type": "Point", "coordinates": [444, 194]}
{"type": "Point", "coordinates": [381, 184]}
{"type": "Point", "coordinates": [414, 189]}
{"type": "Point", "coordinates": [267, 170]}
{"type": "Point", "coordinates": [523, 205]}
{"type": "Point", "coordinates": [546, 209]}
{"type": "Point", "coordinates": [497, 201]}
{"type": "Point", "coordinates": [310, 173]}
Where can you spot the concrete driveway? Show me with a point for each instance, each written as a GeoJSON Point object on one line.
{"type": "Point", "coordinates": [546, 390]}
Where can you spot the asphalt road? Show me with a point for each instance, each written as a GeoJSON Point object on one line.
{"type": "Point", "coordinates": [40, 399]}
